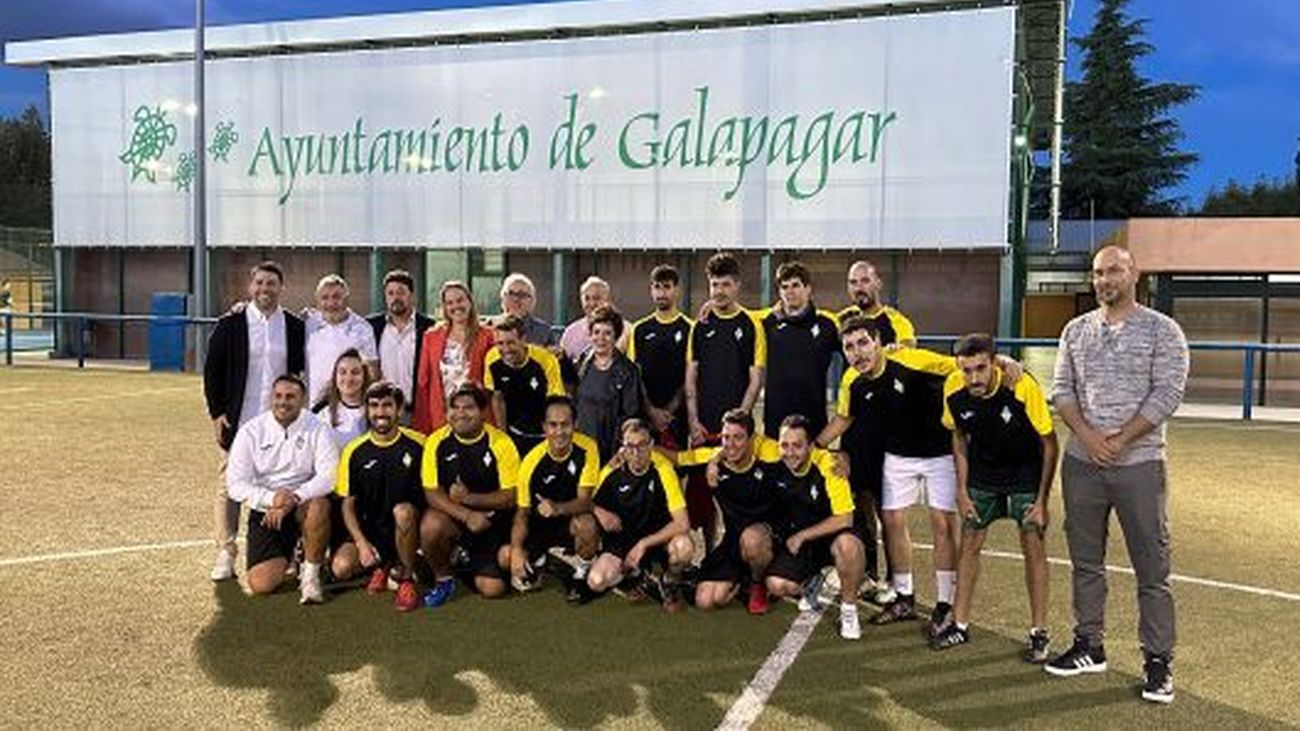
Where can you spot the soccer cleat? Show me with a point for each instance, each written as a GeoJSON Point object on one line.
{"type": "Point", "coordinates": [757, 598]}
{"type": "Point", "coordinates": [529, 581]}
{"type": "Point", "coordinates": [902, 609]}
{"type": "Point", "coordinates": [940, 619]}
{"type": "Point", "coordinates": [378, 583]}
{"type": "Point", "coordinates": [1082, 657]}
{"type": "Point", "coordinates": [850, 627]}
{"type": "Point", "coordinates": [1158, 686]}
{"type": "Point", "coordinates": [440, 593]}
{"type": "Point", "coordinates": [950, 636]}
{"type": "Point", "coordinates": [459, 558]}
{"type": "Point", "coordinates": [810, 592]}
{"type": "Point", "coordinates": [876, 592]}
{"type": "Point", "coordinates": [223, 568]}
{"type": "Point", "coordinates": [579, 593]}
{"type": "Point", "coordinates": [1036, 646]}
{"type": "Point", "coordinates": [309, 584]}
{"type": "Point", "coordinates": [407, 597]}
{"type": "Point", "coordinates": [580, 569]}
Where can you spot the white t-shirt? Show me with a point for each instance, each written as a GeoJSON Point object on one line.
{"type": "Point", "coordinates": [352, 423]}
{"type": "Point", "coordinates": [327, 341]}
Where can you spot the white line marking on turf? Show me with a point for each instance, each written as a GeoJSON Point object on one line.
{"type": "Point", "coordinates": [73, 555]}
{"type": "Point", "coordinates": [1258, 591]}
{"type": "Point", "coordinates": [98, 397]}
{"type": "Point", "coordinates": [751, 702]}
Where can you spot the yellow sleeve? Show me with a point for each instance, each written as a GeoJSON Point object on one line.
{"type": "Point", "coordinates": [503, 447]}
{"type": "Point", "coordinates": [550, 366]}
{"type": "Point", "coordinates": [696, 457]}
{"type": "Point", "coordinates": [844, 400]}
{"type": "Point", "coordinates": [831, 315]}
{"type": "Point", "coordinates": [493, 355]}
{"type": "Point", "coordinates": [342, 476]}
{"type": "Point", "coordinates": [631, 340]}
{"type": "Point", "coordinates": [690, 345]}
{"type": "Point", "coordinates": [903, 329]}
{"type": "Point", "coordinates": [429, 463]}
{"type": "Point", "coordinates": [605, 472]}
{"type": "Point", "coordinates": [590, 476]}
{"type": "Point", "coordinates": [926, 361]}
{"type": "Point", "coordinates": [413, 434]}
{"type": "Point", "coordinates": [760, 341]}
{"type": "Point", "coordinates": [837, 486]}
{"type": "Point", "coordinates": [956, 381]}
{"type": "Point", "coordinates": [672, 486]}
{"type": "Point", "coordinates": [766, 449]}
{"type": "Point", "coordinates": [524, 484]}
{"type": "Point", "coordinates": [1031, 396]}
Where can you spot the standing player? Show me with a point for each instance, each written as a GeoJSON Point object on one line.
{"type": "Point", "coordinates": [658, 344]}
{"type": "Point", "coordinates": [520, 376]}
{"type": "Point", "coordinates": [469, 472]}
{"type": "Point", "coordinates": [1005, 451]}
{"type": "Point", "coordinates": [379, 485]}
{"type": "Point", "coordinates": [865, 286]}
{"type": "Point", "coordinates": [801, 342]}
{"type": "Point", "coordinates": [642, 517]}
{"type": "Point", "coordinates": [553, 499]}
{"type": "Point", "coordinates": [725, 359]}
{"type": "Point", "coordinates": [814, 526]}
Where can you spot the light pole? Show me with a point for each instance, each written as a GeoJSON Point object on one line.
{"type": "Point", "coordinates": [200, 190]}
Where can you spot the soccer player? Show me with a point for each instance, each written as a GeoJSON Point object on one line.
{"type": "Point", "coordinates": [726, 354]}
{"type": "Point", "coordinates": [1120, 374]}
{"type": "Point", "coordinates": [331, 329]}
{"type": "Point", "coordinates": [642, 517]}
{"type": "Point", "coordinates": [801, 342]}
{"type": "Point", "coordinates": [470, 471]}
{"type": "Point", "coordinates": [864, 294]}
{"type": "Point", "coordinates": [900, 396]}
{"type": "Point", "coordinates": [520, 376]}
{"type": "Point", "coordinates": [736, 476]}
{"type": "Point", "coordinates": [519, 298]}
{"type": "Point", "coordinates": [814, 526]}
{"type": "Point", "coordinates": [657, 344]}
{"type": "Point", "coordinates": [282, 466]}
{"type": "Point", "coordinates": [1005, 452]}
{"type": "Point", "coordinates": [247, 350]}
{"type": "Point", "coordinates": [553, 499]}
{"type": "Point", "coordinates": [381, 499]}
{"type": "Point", "coordinates": [399, 335]}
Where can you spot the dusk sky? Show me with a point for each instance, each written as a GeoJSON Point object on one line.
{"type": "Point", "coordinates": [1245, 56]}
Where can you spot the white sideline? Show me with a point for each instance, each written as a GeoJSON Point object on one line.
{"type": "Point", "coordinates": [753, 699]}
{"type": "Point", "coordinates": [72, 555]}
{"type": "Point", "coordinates": [98, 397]}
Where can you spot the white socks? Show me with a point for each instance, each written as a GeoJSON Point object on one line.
{"type": "Point", "coordinates": [903, 584]}
{"type": "Point", "coordinates": [946, 583]}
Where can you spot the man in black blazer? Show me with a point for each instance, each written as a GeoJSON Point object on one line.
{"type": "Point", "coordinates": [248, 349]}
{"type": "Point", "coordinates": [399, 335]}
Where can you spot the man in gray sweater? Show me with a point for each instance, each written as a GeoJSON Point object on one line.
{"type": "Point", "coordinates": [1120, 374]}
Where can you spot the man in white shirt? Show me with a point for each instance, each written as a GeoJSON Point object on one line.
{"type": "Point", "coordinates": [333, 328]}
{"type": "Point", "coordinates": [399, 332]}
{"type": "Point", "coordinates": [282, 465]}
{"type": "Point", "coordinates": [249, 347]}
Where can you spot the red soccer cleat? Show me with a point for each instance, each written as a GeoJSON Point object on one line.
{"type": "Point", "coordinates": [407, 597]}
{"type": "Point", "coordinates": [378, 583]}
{"type": "Point", "coordinates": [757, 598]}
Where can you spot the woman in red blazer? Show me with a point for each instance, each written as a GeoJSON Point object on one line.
{"type": "Point", "coordinates": [453, 353]}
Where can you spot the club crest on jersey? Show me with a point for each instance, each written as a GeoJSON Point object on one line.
{"type": "Point", "coordinates": [898, 385]}
{"type": "Point", "coordinates": [740, 334]}
{"type": "Point", "coordinates": [816, 330]}
{"type": "Point", "coordinates": [533, 383]}
{"type": "Point", "coordinates": [814, 492]}
{"type": "Point", "coordinates": [406, 459]}
{"type": "Point", "coordinates": [573, 467]}
{"type": "Point", "coordinates": [758, 474]}
{"type": "Point", "coordinates": [1006, 415]}
{"type": "Point", "coordinates": [677, 337]}
{"type": "Point", "coordinates": [487, 459]}
{"type": "Point", "coordinates": [300, 442]}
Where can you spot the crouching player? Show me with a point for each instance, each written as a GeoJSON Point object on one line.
{"type": "Point", "coordinates": [381, 499]}
{"type": "Point", "coordinates": [815, 526]}
{"type": "Point", "coordinates": [1005, 451]}
{"type": "Point", "coordinates": [553, 500]}
{"type": "Point", "coordinates": [642, 517]}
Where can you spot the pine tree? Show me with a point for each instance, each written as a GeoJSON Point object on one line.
{"type": "Point", "coordinates": [1121, 146]}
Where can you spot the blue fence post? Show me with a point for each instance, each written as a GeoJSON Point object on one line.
{"type": "Point", "coordinates": [9, 338]}
{"type": "Point", "coordinates": [1248, 384]}
{"type": "Point", "coordinates": [81, 342]}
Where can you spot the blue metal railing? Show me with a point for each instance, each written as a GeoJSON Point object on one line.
{"type": "Point", "coordinates": [1250, 351]}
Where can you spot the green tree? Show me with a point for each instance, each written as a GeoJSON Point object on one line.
{"type": "Point", "coordinates": [24, 171]}
{"type": "Point", "coordinates": [1121, 145]}
{"type": "Point", "coordinates": [1264, 198]}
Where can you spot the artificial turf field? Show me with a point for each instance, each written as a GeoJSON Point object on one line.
{"type": "Point", "coordinates": [93, 460]}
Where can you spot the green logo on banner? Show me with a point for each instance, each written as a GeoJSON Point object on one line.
{"type": "Point", "coordinates": [150, 138]}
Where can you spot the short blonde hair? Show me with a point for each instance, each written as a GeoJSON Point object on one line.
{"type": "Point", "coordinates": [332, 280]}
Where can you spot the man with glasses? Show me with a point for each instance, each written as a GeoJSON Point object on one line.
{"type": "Point", "coordinates": [519, 298]}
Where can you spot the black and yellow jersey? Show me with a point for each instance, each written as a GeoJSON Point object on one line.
{"type": "Point", "coordinates": [1003, 431]}
{"type": "Point", "coordinates": [725, 348]}
{"type": "Point", "coordinates": [742, 494]}
{"type": "Point", "coordinates": [558, 480]}
{"type": "Point", "coordinates": [658, 346]}
{"type": "Point", "coordinates": [894, 327]}
{"type": "Point", "coordinates": [643, 503]}
{"type": "Point", "coordinates": [379, 475]}
{"type": "Point", "coordinates": [806, 498]}
{"type": "Point", "coordinates": [525, 388]}
{"type": "Point", "coordinates": [799, 353]}
{"type": "Point", "coordinates": [484, 465]}
{"type": "Point", "coordinates": [900, 408]}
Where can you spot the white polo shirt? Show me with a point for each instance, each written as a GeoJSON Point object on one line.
{"type": "Point", "coordinates": [327, 341]}
{"type": "Point", "coordinates": [267, 457]}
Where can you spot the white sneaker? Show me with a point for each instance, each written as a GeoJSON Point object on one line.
{"type": "Point", "coordinates": [309, 584]}
{"type": "Point", "coordinates": [223, 568]}
{"type": "Point", "coordinates": [850, 628]}
{"type": "Point", "coordinates": [580, 570]}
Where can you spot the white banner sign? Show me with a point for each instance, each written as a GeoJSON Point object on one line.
{"type": "Point", "coordinates": [889, 132]}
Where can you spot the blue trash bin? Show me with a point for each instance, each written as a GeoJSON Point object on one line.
{"type": "Point", "coordinates": [167, 337]}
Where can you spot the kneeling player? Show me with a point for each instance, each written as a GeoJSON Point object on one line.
{"type": "Point", "coordinates": [381, 499]}
{"type": "Point", "coordinates": [642, 516]}
{"type": "Point", "coordinates": [815, 522]}
{"type": "Point", "coordinates": [735, 474]}
{"type": "Point", "coordinates": [1006, 458]}
{"type": "Point", "coordinates": [469, 472]}
{"type": "Point", "coordinates": [553, 499]}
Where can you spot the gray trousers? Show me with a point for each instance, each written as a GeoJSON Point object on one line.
{"type": "Point", "coordinates": [1137, 493]}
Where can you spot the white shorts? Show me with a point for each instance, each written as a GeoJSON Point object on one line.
{"type": "Point", "coordinates": [905, 477]}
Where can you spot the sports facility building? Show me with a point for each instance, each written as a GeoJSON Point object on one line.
{"type": "Point", "coordinates": [561, 140]}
